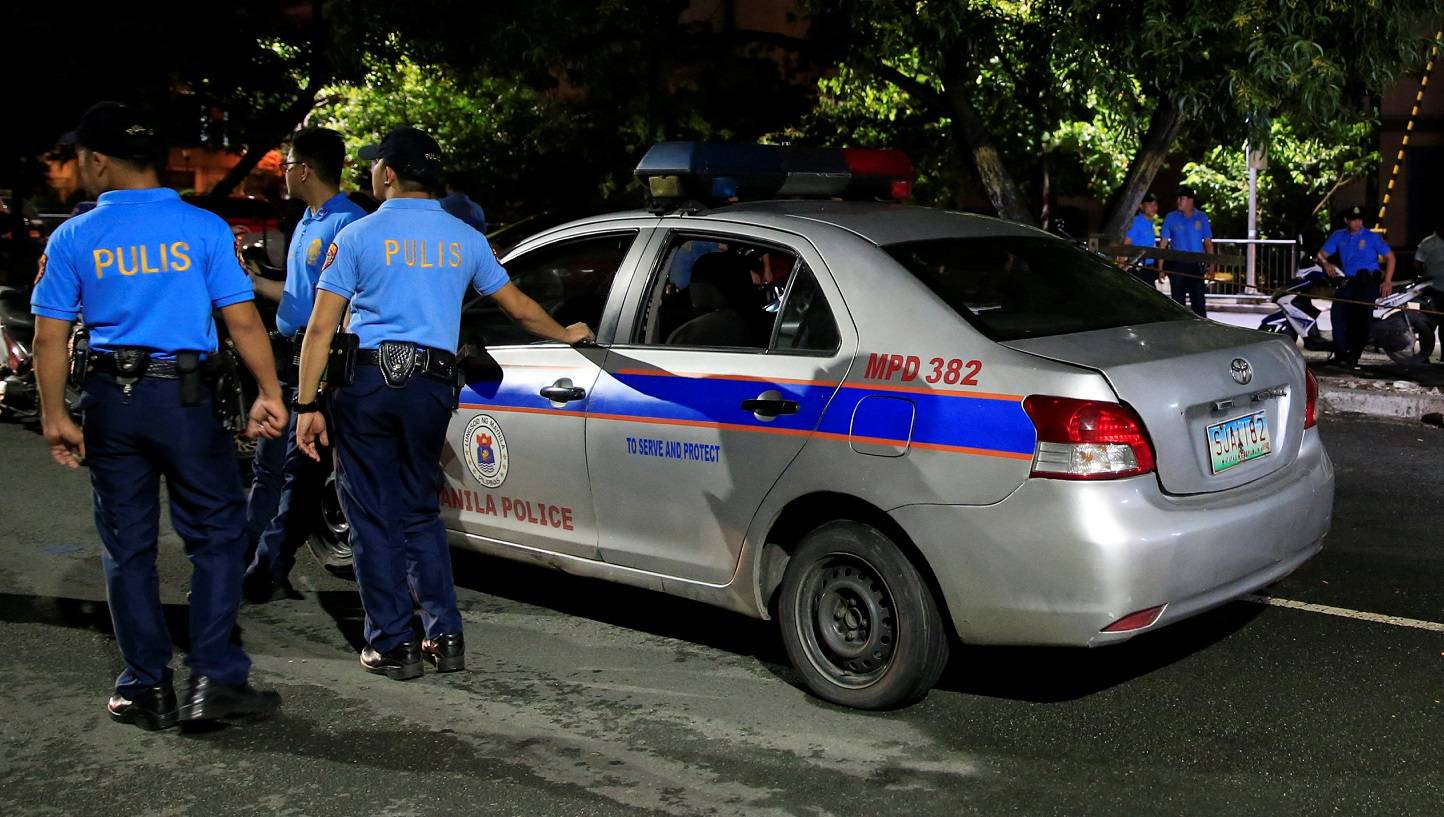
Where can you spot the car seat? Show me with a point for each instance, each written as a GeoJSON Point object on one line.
{"type": "Point", "coordinates": [719, 283]}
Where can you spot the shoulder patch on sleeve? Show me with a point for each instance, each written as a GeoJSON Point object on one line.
{"type": "Point", "coordinates": [330, 255]}
{"type": "Point", "coordinates": [40, 272]}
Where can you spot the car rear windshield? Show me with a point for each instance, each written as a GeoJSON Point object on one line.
{"type": "Point", "coordinates": [1024, 287]}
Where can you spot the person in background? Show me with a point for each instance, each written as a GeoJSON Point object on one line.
{"type": "Point", "coordinates": [1359, 252]}
{"type": "Point", "coordinates": [457, 203]}
{"type": "Point", "coordinates": [1188, 229]}
{"type": "Point", "coordinates": [1140, 234]}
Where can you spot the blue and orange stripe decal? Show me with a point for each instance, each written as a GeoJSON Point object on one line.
{"type": "Point", "coordinates": [963, 422]}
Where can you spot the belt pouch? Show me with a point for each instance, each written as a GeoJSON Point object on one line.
{"type": "Point", "coordinates": [131, 363]}
{"type": "Point", "coordinates": [188, 372]}
{"type": "Point", "coordinates": [341, 360]}
{"type": "Point", "coordinates": [397, 361]}
{"type": "Point", "coordinates": [79, 358]}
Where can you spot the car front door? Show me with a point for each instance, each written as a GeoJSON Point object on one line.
{"type": "Point", "coordinates": [515, 471]}
{"type": "Point", "coordinates": [726, 355]}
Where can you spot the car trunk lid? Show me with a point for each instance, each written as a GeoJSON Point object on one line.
{"type": "Point", "coordinates": [1180, 378]}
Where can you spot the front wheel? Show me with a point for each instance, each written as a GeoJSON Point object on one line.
{"type": "Point", "coordinates": [859, 623]}
{"type": "Point", "coordinates": [330, 539]}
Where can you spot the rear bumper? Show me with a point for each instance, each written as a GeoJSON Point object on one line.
{"type": "Point", "coordinates": [1058, 561]}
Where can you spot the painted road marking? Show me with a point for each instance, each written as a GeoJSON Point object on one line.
{"type": "Point", "coordinates": [1377, 618]}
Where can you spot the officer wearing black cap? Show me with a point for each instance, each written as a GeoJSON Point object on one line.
{"type": "Point", "coordinates": [146, 270]}
{"type": "Point", "coordinates": [1188, 229]}
{"type": "Point", "coordinates": [403, 271]}
{"type": "Point", "coordinates": [1140, 234]}
{"type": "Point", "coordinates": [1359, 251]}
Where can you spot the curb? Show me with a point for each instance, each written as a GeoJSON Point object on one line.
{"type": "Point", "coordinates": [1398, 399]}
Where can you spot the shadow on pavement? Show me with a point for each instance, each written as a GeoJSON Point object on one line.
{"type": "Point", "coordinates": [1055, 674]}
{"type": "Point", "coordinates": [84, 614]}
{"type": "Point", "coordinates": [344, 607]}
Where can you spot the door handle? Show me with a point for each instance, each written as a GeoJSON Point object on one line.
{"type": "Point", "coordinates": [563, 391]}
{"type": "Point", "coordinates": [769, 405]}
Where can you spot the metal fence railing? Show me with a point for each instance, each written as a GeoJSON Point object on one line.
{"type": "Point", "coordinates": [1273, 262]}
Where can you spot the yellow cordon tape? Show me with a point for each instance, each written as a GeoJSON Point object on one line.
{"type": "Point", "coordinates": [1408, 129]}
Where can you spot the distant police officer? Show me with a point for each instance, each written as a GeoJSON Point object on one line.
{"type": "Point", "coordinates": [403, 270]}
{"type": "Point", "coordinates": [146, 271]}
{"type": "Point", "coordinates": [1359, 251]}
{"type": "Point", "coordinates": [1140, 234]}
{"type": "Point", "coordinates": [1187, 229]}
{"type": "Point", "coordinates": [287, 484]}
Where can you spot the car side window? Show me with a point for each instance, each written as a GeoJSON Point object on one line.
{"type": "Point", "coordinates": [715, 292]}
{"type": "Point", "coordinates": [806, 323]}
{"type": "Point", "coordinates": [570, 280]}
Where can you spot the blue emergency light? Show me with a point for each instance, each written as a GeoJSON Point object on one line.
{"type": "Point", "coordinates": [715, 172]}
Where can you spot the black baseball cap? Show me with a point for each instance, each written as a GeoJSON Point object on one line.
{"type": "Point", "coordinates": [1185, 191]}
{"type": "Point", "coordinates": [1149, 198]}
{"type": "Point", "coordinates": [1353, 212]}
{"type": "Point", "coordinates": [116, 129]}
{"type": "Point", "coordinates": [409, 151]}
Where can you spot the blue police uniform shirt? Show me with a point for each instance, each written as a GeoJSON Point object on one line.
{"type": "Point", "coordinates": [309, 244]}
{"type": "Point", "coordinates": [405, 269]}
{"type": "Point", "coordinates": [1357, 251]}
{"type": "Point", "coordinates": [460, 205]}
{"type": "Point", "coordinates": [146, 269]}
{"type": "Point", "coordinates": [1140, 232]}
{"type": "Point", "coordinates": [1186, 233]}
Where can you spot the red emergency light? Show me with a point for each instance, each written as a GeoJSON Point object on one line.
{"type": "Point", "coordinates": [713, 173]}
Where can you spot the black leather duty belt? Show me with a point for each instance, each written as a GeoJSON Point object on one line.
{"type": "Point", "coordinates": [428, 361]}
{"type": "Point", "coordinates": [102, 363]}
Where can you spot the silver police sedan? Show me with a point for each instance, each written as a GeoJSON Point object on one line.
{"type": "Point", "coordinates": [887, 427]}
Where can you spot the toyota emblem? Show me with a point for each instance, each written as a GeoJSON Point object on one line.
{"type": "Point", "coordinates": [1241, 371]}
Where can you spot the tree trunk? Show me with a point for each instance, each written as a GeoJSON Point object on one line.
{"type": "Point", "coordinates": [266, 134]}
{"type": "Point", "coordinates": [1002, 191]}
{"type": "Point", "coordinates": [1162, 130]}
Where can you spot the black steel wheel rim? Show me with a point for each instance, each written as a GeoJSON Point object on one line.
{"type": "Point", "coordinates": [335, 530]}
{"type": "Point", "coordinates": [847, 620]}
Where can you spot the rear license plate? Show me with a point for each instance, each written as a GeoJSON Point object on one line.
{"type": "Point", "coordinates": [1236, 441]}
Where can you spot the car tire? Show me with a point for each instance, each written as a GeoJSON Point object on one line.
{"type": "Point", "coordinates": [858, 621]}
{"type": "Point", "coordinates": [330, 539]}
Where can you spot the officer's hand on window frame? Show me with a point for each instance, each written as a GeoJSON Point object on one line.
{"type": "Point", "coordinates": [579, 334]}
{"type": "Point", "coordinates": [311, 427]}
{"type": "Point", "coordinates": [67, 441]}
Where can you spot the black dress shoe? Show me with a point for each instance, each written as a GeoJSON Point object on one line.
{"type": "Point", "coordinates": [446, 652]}
{"type": "Point", "coordinates": [207, 700]}
{"type": "Point", "coordinates": [150, 709]}
{"type": "Point", "coordinates": [401, 663]}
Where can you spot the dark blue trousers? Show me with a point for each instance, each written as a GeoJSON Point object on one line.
{"type": "Point", "coordinates": [388, 468]}
{"type": "Point", "coordinates": [286, 490]}
{"type": "Point", "coordinates": [130, 443]}
{"type": "Point", "coordinates": [1188, 288]}
{"type": "Point", "coordinates": [1351, 322]}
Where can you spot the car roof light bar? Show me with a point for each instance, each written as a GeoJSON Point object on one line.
{"type": "Point", "coordinates": [698, 174]}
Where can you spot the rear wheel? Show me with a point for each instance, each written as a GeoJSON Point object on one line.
{"type": "Point", "coordinates": [330, 539]}
{"type": "Point", "coordinates": [858, 621]}
{"type": "Point", "coordinates": [1408, 338]}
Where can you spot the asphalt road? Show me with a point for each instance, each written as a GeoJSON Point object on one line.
{"type": "Point", "coordinates": [589, 699]}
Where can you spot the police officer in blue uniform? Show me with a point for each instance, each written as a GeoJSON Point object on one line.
{"type": "Point", "coordinates": [1188, 229]}
{"type": "Point", "coordinates": [287, 484]}
{"type": "Point", "coordinates": [403, 271]}
{"type": "Point", "coordinates": [1140, 234]}
{"type": "Point", "coordinates": [146, 270]}
{"type": "Point", "coordinates": [1359, 251]}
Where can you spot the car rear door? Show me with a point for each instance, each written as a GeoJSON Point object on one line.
{"type": "Point", "coordinates": [688, 426]}
{"type": "Point", "coordinates": [514, 463]}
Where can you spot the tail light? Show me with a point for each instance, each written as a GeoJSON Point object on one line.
{"type": "Point", "coordinates": [1311, 399]}
{"type": "Point", "coordinates": [1087, 439]}
{"type": "Point", "coordinates": [1136, 621]}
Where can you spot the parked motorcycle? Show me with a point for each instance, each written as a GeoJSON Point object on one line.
{"type": "Point", "coordinates": [18, 397]}
{"type": "Point", "coordinates": [1399, 329]}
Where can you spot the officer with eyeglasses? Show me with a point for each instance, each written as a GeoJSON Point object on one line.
{"type": "Point", "coordinates": [402, 271]}
{"type": "Point", "coordinates": [286, 485]}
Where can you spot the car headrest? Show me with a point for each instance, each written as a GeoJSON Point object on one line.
{"type": "Point", "coordinates": [706, 296]}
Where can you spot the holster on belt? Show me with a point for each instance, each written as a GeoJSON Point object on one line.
{"type": "Point", "coordinates": [130, 363]}
{"type": "Point", "coordinates": [79, 358]}
{"type": "Point", "coordinates": [188, 372]}
{"type": "Point", "coordinates": [282, 351]}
